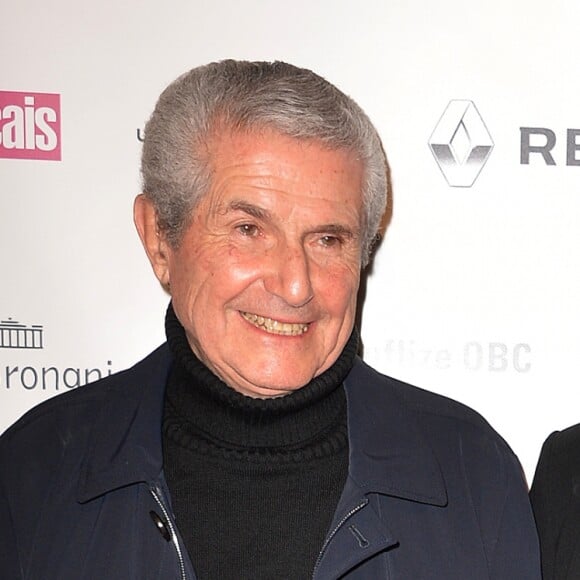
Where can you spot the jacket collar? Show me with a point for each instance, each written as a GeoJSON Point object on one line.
{"type": "Point", "coordinates": [388, 452]}
{"type": "Point", "coordinates": [125, 445]}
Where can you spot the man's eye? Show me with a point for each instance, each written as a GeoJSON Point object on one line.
{"type": "Point", "coordinates": [330, 241]}
{"type": "Point", "coordinates": [249, 230]}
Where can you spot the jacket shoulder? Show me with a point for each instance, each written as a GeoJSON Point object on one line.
{"type": "Point", "coordinates": [554, 496]}
{"type": "Point", "coordinates": [427, 405]}
{"type": "Point", "coordinates": [558, 467]}
{"type": "Point", "coordinates": [459, 438]}
{"type": "Point", "coordinates": [565, 444]}
{"type": "Point", "coordinates": [67, 416]}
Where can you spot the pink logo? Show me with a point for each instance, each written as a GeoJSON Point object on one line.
{"type": "Point", "coordinates": [30, 126]}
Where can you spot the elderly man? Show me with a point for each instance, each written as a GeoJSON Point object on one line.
{"type": "Point", "coordinates": [255, 444]}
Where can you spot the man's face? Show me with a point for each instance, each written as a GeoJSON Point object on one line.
{"type": "Point", "coordinates": [266, 276]}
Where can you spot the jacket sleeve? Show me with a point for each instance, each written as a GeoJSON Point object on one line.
{"type": "Point", "coordinates": [517, 552]}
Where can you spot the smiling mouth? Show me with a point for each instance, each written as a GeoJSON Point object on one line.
{"type": "Point", "coordinates": [275, 326]}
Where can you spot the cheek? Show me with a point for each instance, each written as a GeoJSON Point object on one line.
{"type": "Point", "coordinates": [189, 272]}
{"type": "Point", "coordinates": [339, 287]}
{"type": "Point", "coordinates": [236, 269]}
{"type": "Point", "coordinates": [212, 279]}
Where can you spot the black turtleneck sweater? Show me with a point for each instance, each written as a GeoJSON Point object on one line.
{"type": "Point", "coordinates": [254, 482]}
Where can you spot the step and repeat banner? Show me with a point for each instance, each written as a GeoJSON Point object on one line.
{"type": "Point", "coordinates": [474, 292]}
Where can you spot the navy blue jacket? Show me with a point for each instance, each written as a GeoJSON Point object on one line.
{"type": "Point", "coordinates": [432, 492]}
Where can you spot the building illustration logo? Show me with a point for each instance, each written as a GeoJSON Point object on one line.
{"type": "Point", "coordinates": [30, 126]}
{"type": "Point", "coordinates": [461, 143]}
{"type": "Point", "coordinates": [13, 334]}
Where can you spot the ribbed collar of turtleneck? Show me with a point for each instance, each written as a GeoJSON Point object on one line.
{"type": "Point", "coordinates": [205, 413]}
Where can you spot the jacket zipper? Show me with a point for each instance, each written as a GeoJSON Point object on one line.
{"type": "Point", "coordinates": [334, 531]}
{"type": "Point", "coordinates": [157, 494]}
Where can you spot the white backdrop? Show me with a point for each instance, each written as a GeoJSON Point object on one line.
{"type": "Point", "coordinates": [474, 293]}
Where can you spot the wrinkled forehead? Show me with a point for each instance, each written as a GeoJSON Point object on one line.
{"type": "Point", "coordinates": [270, 159]}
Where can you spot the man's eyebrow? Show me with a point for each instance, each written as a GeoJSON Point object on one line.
{"type": "Point", "coordinates": [249, 208]}
{"type": "Point", "coordinates": [338, 230]}
{"type": "Point", "coordinates": [263, 214]}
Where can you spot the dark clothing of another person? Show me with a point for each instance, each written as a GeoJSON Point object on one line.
{"type": "Point", "coordinates": [555, 498]}
{"type": "Point", "coordinates": [432, 492]}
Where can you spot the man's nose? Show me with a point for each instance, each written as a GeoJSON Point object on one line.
{"type": "Point", "coordinates": [289, 277]}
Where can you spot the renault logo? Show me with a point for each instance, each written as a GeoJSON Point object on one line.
{"type": "Point", "coordinates": [461, 143]}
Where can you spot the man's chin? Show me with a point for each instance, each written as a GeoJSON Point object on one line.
{"type": "Point", "coordinates": [271, 385]}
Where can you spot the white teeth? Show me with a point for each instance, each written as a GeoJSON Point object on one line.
{"type": "Point", "coordinates": [275, 326]}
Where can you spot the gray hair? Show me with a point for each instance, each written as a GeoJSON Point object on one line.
{"type": "Point", "coordinates": [241, 95]}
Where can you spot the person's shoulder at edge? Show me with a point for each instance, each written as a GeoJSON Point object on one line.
{"type": "Point", "coordinates": [564, 440]}
{"type": "Point", "coordinates": [558, 465]}
{"type": "Point", "coordinates": [553, 488]}
{"type": "Point", "coordinates": [559, 458]}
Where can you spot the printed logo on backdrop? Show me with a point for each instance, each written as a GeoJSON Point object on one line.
{"type": "Point", "coordinates": [461, 143]}
{"type": "Point", "coordinates": [473, 355]}
{"type": "Point", "coordinates": [32, 375]}
{"type": "Point", "coordinates": [16, 335]}
{"type": "Point", "coordinates": [30, 126]}
{"type": "Point", "coordinates": [541, 141]}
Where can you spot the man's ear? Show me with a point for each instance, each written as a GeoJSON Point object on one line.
{"type": "Point", "coordinates": [154, 242]}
